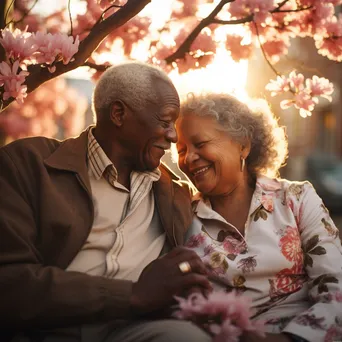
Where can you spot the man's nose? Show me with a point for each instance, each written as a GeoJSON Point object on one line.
{"type": "Point", "coordinates": [171, 135]}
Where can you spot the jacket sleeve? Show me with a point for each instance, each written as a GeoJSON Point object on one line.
{"type": "Point", "coordinates": [35, 295]}
{"type": "Point", "coordinates": [323, 264]}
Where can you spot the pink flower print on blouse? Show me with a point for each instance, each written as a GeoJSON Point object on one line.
{"type": "Point", "coordinates": [291, 247]}
{"type": "Point", "coordinates": [233, 246]}
{"type": "Point", "coordinates": [287, 281]}
{"type": "Point", "coordinates": [195, 240]}
{"type": "Point", "coordinates": [297, 215]}
{"type": "Point", "coordinates": [209, 249]}
{"type": "Point", "coordinates": [267, 202]}
{"type": "Point", "coordinates": [334, 333]}
{"type": "Point", "coordinates": [247, 264]}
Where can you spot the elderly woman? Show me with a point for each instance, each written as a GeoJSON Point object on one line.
{"type": "Point", "coordinates": [269, 237]}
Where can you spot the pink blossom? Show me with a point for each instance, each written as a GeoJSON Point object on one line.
{"type": "Point", "coordinates": [276, 47]}
{"type": "Point", "coordinates": [224, 315]}
{"type": "Point", "coordinates": [204, 42]}
{"type": "Point", "coordinates": [237, 50]}
{"type": "Point", "coordinates": [278, 86]}
{"type": "Point", "coordinates": [320, 86]}
{"type": "Point", "coordinates": [12, 81]}
{"type": "Point", "coordinates": [302, 101]}
{"type": "Point", "coordinates": [258, 8]}
{"type": "Point", "coordinates": [18, 44]}
{"type": "Point", "coordinates": [54, 47]}
{"type": "Point", "coordinates": [185, 8]}
{"type": "Point", "coordinates": [195, 240]}
{"type": "Point", "coordinates": [296, 81]}
{"type": "Point", "coordinates": [330, 43]}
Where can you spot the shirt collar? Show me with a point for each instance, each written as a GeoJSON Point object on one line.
{"type": "Point", "coordinates": [98, 161]}
{"type": "Point", "coordinates": [264, 193]}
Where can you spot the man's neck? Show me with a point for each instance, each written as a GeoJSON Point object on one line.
{"type": "Point", "coordinates": [116, 155]}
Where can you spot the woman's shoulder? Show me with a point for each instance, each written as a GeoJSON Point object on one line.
{"type": "Point", "coordinates": [268, 184]}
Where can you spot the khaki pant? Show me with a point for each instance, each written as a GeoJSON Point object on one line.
{"type": "Point", "coordinates": [149, 331]}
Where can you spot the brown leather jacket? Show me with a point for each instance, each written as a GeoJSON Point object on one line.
{"type": "Point", "coordinates": [46, 214]}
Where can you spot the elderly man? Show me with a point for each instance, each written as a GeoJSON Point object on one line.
{"type": "Point", "coordinates": [84, 223]}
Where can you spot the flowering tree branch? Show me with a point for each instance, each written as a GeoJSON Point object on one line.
{"type": "Point", "coordinates": [97, 67]}
{"type": "Point", "coordinates": [211, 19]}
{"type": "Point", "coordinates": [38, 75]}
{"type": "Point", "coordinates": [185, 46]}
{"type": "Point", "coordinates": [70, 18]}
{"type": "Point", "coordinates": [263, 51]}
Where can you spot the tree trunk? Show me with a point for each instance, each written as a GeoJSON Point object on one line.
{"type": "Point", "coordinates": [3, 8]}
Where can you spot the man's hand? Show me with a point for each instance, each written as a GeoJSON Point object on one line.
{"type": "Point", "coordinates": [162, 279]}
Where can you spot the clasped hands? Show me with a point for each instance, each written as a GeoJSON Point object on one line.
{"type": "Point", "coordinates": [179, 272]}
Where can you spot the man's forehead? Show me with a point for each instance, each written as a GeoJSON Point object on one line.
{"type": "Point", "coordinates": [165, 89]}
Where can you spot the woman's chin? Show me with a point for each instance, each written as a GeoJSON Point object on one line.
{"type": "Point", "coordinates": [203, 188]}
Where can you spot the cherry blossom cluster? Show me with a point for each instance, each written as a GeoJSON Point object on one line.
{"type": "Point", "coordinates": [306, 92]}
{"type": "Point", "coordinates": [270, 25]}
{"type": "Point", "coordinates": [223, 315]}
{"type": "Point", "coordinates": [24, 48]}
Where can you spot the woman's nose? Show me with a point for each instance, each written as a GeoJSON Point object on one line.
{"type": "Point", "coordinates": [190, 157]}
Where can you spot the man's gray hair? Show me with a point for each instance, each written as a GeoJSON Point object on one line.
{"type": "Point", "coordinates": [132, 83]}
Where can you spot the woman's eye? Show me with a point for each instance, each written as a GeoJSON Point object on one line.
{"type": "Point", "coordinates": [200, 144]}
{"type": "Point", "coordinates": [180, 152]}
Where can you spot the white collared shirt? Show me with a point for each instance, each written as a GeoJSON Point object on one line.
{"type": "Point", "coordinates": [127, 233]}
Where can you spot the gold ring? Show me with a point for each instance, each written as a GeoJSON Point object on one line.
{"type": "Point", "coordinates": [184, 267]}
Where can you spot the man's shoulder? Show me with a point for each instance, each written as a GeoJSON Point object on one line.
{"type": "Point", "coordinates": [40, 145]}
{"type": "Point", "coordinates": [167, 172]}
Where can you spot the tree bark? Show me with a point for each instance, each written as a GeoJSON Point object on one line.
{"type": "Point", "coordinates": [3, 8]}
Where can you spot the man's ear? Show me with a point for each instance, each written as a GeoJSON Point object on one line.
{"type": "Point", "coordinates": [118, 113]}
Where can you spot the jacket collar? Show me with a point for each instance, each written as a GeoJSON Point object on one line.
{"type": "Point", "coordinates": [71, 155]}
{"type": "Point", "coordinates": [164, 197]}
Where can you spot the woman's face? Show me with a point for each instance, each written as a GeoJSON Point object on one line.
{"type": "Point", "coordinates": [208, 156]}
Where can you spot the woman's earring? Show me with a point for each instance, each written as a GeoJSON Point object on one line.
{"type": "Point", "coordinates": [242, 164]}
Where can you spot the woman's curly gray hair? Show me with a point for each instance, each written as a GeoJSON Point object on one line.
{"type": "Point", "coordinates": [253, 122]}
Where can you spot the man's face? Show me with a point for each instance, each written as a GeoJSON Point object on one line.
{"type": "Point", "coordinates": [153, 128]}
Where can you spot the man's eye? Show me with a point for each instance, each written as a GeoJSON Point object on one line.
{"type": "Point", "coordinates": [165, 124]}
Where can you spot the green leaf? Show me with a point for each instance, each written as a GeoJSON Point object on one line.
{"type": "Point", "coordinates": [330, 279]}
{"type": "Point", "coordinates": [313, 241]}
{"type": "Point", "coordinates": [257, 215]}
{"type": "Point", "coordinates": [307, 260]}
{"type": "Point", "coordinates": [322, 288]}
{"type": "Point", "coordinates": [231, 257]}
{"type": "Point", "coordinates": [225, 265]}
{"type": "Point", "coordinates": [263, 214]}
{"type": "Point", "coordinates": [318, 279]}
{"type": "Point", "coordinates": [318, 250]}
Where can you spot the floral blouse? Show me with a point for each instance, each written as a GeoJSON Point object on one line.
{"type": "Point", "coordinates": [289, 261]}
